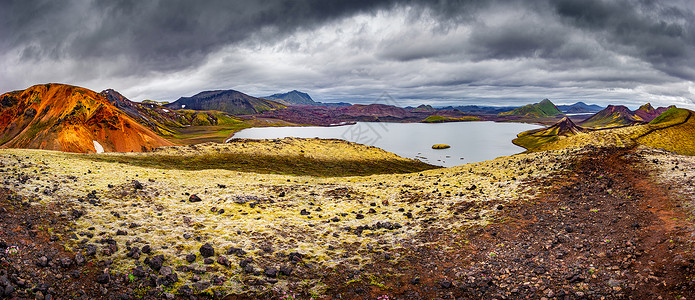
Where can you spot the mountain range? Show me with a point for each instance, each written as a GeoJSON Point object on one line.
{"type": "Point", "coordinates": [579, 108]}
{"type": "Point", "coordinates": [68, 118]}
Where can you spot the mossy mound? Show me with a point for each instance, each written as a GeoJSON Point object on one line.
{"type": "Point", "coordinates": [441, 119]}
{"type": "Point", "coordinates": [440, 146]}
{"type": "Point", "coordinates": [290, 156]}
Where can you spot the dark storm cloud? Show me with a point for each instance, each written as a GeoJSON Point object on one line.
{"type": "Point", "coordinates": [155, 35]}
{"type": "Point", "coordinates": [655, 31]}
{"type": "Point", "coordinates": [443, 49]}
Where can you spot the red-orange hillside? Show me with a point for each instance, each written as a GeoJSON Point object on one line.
{"type": "Point", "coordinates": [69, 118]}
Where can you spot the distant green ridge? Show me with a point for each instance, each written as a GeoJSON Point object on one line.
{"type": "Point", "coordinates": [542, 109]}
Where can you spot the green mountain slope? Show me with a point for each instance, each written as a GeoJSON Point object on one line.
{"type": "Point", "coordinates": [542, 109]}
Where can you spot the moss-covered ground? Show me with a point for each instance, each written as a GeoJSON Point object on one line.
{"type": "Point", "coordinates": [329, 220]}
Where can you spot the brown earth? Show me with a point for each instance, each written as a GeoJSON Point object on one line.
{"type": "Point", "coordinates": [601, 229]}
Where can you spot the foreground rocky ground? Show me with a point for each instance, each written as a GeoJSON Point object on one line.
{"type": "Point", "coordinates": [591, 223]}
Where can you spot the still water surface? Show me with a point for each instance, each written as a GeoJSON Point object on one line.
{"type": "Point", "coordinates": [469, 141]}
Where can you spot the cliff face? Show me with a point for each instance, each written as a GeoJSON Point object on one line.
{"type": "Point", "coordinates": [69, 118]}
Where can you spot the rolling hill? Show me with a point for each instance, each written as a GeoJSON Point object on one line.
{"type": "Point", "coordinates": [613, 116]}
{"type": "Point", "coordinates": [72, 119]}
{"type": "Point", "coordinates": [229, 101]}
{"type": "Point", "coordinates": [534, 138]}
{"type": "Point", "coordinates": [542, 109]}
{"type": "Point", "coordinates": [579, 108]}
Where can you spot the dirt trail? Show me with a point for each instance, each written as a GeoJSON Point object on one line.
{"type": "Point", "coordinates": [601, 230]}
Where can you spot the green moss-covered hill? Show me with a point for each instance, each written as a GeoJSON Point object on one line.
{"type": "Point", "coordinates": [542, 109]}
{"type": "Point", "coordinates": [533, 139]}
{"type": "Point", "coordinates": [673, 130]}
{"type": "Point", "coordinates": [442, 119]}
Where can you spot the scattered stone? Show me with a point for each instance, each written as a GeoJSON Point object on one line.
{"type": "Point", "coordinates": [134, 253]}
{"type": "Point", "coordinates": [304, 212]}
{"type": "Point", "coordinates": [207, 250]}
{"type": "Point", "coordinates": [65, 262]}
{"type": "Point", "coordinates": [286, 270]}
{"type": "Point", "coordinates": [146, 249]}
{"type": "Point", "coordinates": [121, 232]}
{"type": "Point", "coordinates": [164, 271]}
{"type": "Point", "coordinates": [249, 269]}
{"type": "Point", "coordinates": [139, 271]}
{"type": "Point", "coordinates": [223, 261]}
{"type": "Point", "coordinates": [155, 262]}
{"type": "Point", "coordinates": [79, 259]}
{"type": "Point", "coordinates": [236, 251]}
{"type": "Point", "coordinates": [246, 261]}
{"type": "Point", "coordinates": [42, 262]}
{"type": "Point", "coordinates": [208, 261]}
{"type": "Point", "coordinates": [194, 198]}
{"type": "Point", "coordinates": [137, 185]}
{"type": "Point", "coordinates": [445, 284]}
{"type": "Point", "coordinates": [91, 250]}
{"type": "Point", "coordinates": [103, 278]}
{"type": "Point", "coordinates": [190, 257]}
{"type": "Point", "coordinates": [296, 256]}
{"type": "Point", "coordinates": [271, 272]}
{"type": "Point", "coordinates": [359, 216]}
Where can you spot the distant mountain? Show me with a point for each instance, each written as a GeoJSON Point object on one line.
{"type": "Point", "coordinates": [229, 101]}
{"type": "Point", "coordinates": [579, 108]}
{"type": "Point", "coordinates": [424, 108]}
{"type": "Point", "coordinates": [542, 109]}
{"type": "Point", "coordinates": [613, 116]}
{"type": "Point", "coordinates": [294, 97]}
{"type": "Point", "coordinates": [534, 138]}
{"type": "Point", "coordinates": [69, 118]}
{"type": "Point", "coordinates": [162, 120]}
{"type": "Point", "coordinates": [484, 110]}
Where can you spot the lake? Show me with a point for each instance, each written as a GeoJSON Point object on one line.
{"type": "Point", "coordinates": [470, 141]}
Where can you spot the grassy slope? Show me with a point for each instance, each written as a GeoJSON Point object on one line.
{"type": "Point", "coordinates": [441, 119]}
{"type": "Point", "coordinates": [674, 131]}
{"type": "Point", "coordinates": [542, 109]}
{"type": "Point", "coordinates": [613, 120]}
{"type": "Point", "coordinates": [290, 156]}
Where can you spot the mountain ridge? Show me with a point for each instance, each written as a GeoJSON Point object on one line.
{"type": "Point", "coordinates": [229, 101]}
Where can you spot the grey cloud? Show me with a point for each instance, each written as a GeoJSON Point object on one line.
{"type": "Point", "coordinates": [448, 49]}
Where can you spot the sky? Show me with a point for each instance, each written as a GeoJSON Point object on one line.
{"type": "Point", "coordinates": [417, 52]}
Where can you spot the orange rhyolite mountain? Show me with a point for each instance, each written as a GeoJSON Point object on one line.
{"type": "Point", "coordinates": [72, 119]}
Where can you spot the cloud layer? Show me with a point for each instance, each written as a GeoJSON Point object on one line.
{"type": "Point", "coordinates": [436, 52]}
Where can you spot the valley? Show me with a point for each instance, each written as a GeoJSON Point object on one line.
{"type": "Point", "coordinates": [599, 207]}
